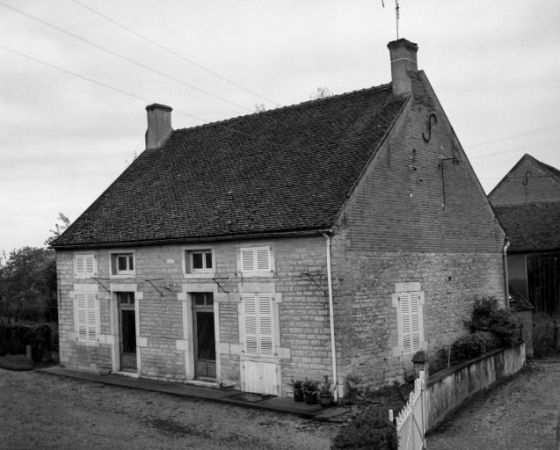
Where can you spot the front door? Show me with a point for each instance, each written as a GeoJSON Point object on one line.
{"type": "Point", "coordinates": [127, 322]}
{"type": "Point", "coordinates": [205, 343]}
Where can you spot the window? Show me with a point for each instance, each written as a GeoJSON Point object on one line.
{"type": "Point", "coordinates": [411, 322]}
{"type": "Point", "coordinates": [122, 263]}
{"type": "Point", "coordinates": [258, 324]}
{"type": "Point", "coordinates": [199, 261]}
{"type": "Point", "coordinates": [255, 260]}
{"type": "Point", "coordinates": [202, 298]}
{"type": "Point", "coordinates": [85, 266]}
{"type": "Point", "coordinates": [86, 317]}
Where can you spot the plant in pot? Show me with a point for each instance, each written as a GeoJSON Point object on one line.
{"type": "Point", "coordinates": [353, 381]}
{"type": "Point", "coordinates": [297, 386]}
{"type": "Point", "coordinates": [326, 392]}
{"type": "Point", "coordinates": [310, 389]}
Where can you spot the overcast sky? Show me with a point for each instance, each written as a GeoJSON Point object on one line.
{"type": "Point", "coordinates": [76, 76]}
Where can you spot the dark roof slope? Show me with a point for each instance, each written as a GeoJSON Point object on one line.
{"type": "Point", "coordinates": [284, 170]}
{"type": "Point", "coordinates": [531, 227]}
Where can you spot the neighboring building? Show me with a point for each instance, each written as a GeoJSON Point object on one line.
{"type": "Point", "coordinates": [242, 252]}
{"type": "Point", "coordinates": [527, 202]}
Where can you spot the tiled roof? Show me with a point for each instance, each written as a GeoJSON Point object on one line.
{"type": "Point", "coordinates": [288, 169]}
{"type": "Point", "coordinates": [531, 227]}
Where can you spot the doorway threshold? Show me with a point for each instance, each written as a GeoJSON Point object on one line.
{"type": "Point", "coordinates": [126, 374]}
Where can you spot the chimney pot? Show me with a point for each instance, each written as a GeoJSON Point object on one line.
{"type": "Point", "coordinates": [403, 58]}
{"type": "Point", "coordinates": [159, 125]}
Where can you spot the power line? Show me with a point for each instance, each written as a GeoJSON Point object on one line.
{"type": "Point", "coordinates": [526, 133]}
{"type": "Point", "coordinates": [91, 80]}
{"type": "Point", "coordinates": [178, 55]}
{"type": "Point", "coordinates": [531, 146]}
{"type": "Point", "coordinates": [124, 57]}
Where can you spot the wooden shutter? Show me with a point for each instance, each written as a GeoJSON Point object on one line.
{"type": "Point", "coordinates": [86, 316]}
{"type": "Point", "coordinates": [85, 266]}
{"type": "Point", "coordinates": [263, 258]}
{"type": "Point", "coordinates": [258, 324]}
{"type": "Point", "coordinates": [265, 325]}
{"type": "Point", "coordinates": [251, 320]}
{"type": "Point", "coordinates": [247, 260]}
{"type": "Point", "coordinates": [411, 323]}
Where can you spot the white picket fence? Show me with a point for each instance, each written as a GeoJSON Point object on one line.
{"type": "Point", "coordinates": [411, 421]}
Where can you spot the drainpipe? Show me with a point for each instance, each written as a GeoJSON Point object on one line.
{"type": "Point", "coordinates": [506, 282]}
{"type": "Point", "coordinates": [331, 313]}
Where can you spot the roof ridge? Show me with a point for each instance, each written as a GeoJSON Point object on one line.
{"type": "Point", "coordinates": [280, 109]}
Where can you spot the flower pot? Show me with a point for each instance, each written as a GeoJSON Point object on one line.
{"type": "Point", "coordinates": [326, 399]}
{"type": "Point", "coordinates": [298, 395]}
{"type": "Point", "coordinates": [310, 397]}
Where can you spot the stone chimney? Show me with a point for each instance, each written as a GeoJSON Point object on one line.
{"type": "Point", "coordinates": [159, 125]}
{"type": "Point", "coordinates": [403, 58]}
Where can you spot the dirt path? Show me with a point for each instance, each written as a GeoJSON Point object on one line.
{"type": "Point", "coordinates": [520, 415]}
{"type": "Point", "coordinates": [41, 411]}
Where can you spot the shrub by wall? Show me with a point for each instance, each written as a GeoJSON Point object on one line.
{"type": "Point", "coordinates": [372, 429]}
{"type": "Point", "coordinates": [15, 337]}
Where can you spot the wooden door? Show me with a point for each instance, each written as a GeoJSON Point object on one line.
{"type": "Point", "coordinates": [127, 331]}
{"type": "Point", "coordinates": [204, 336]}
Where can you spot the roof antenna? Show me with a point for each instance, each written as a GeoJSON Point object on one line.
{"type": "Point", "coordinates": [397, 9]}
{"type": "Point", "coordinates": [397, 14]}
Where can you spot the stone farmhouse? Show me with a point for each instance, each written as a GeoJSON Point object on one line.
{"type": "Point", "coordinates": [336, 236]}
{"type": "Point", "coordinates": [527, 202]}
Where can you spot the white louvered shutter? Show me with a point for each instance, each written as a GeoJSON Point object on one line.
{"type": "Point", "coordinates": [82, 319]}
{"type": "Point", "coordinates": [416, 325]}
{"type": "Point", "coordinates": [91, 317]}
{"type": "Point", "coordinates": [265, 325]}
{"type": "Point", "coordinates": [406, 323]}
{"type": "Point", "coordinates": [247, 260]}
{"type": "Point", "coordinates": [86, 316]}
{"type": "Point", "coordinates": [251, 321]}
{"type": "Point", "coordinates": [85, 266]}
{"type": "Point", "coordinates": [263, 258]}
{"type": "Point", "coordinates": [411, 322]}
{"type": "Point", "coordinates": [80, 265]}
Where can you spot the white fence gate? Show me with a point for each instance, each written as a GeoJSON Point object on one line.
{"type": "Point", "coordinates": [411, 421]}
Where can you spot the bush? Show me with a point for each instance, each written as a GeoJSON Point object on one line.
{"type": "Point", "coordinates": [370, 430]}
{"type": "Point", "coordinates": [502, 323]}
{"type": "Point", "coordinates": [15, 337]}
{"type": "Point", "coordinates": [473, 345]}
{"type": "Point", "coordinates": [545, 335]}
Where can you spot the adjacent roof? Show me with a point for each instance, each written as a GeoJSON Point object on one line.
{"type": "Point", "coordinates": [531, 227]}
{"type": "Point", "coordinates": [289, 169]}
{"type": "Point", "coordinates": [517, 302]}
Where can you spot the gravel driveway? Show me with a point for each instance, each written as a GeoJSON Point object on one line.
{"type": "Point", "coordinates": [41, 411]}
{"type": "Point", "coordinates": [519, 415]}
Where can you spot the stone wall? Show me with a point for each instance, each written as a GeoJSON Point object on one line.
{"type": "Point", "coordinates": [164, 310]}
{"type": "Point", "coordinates": [448, 389]}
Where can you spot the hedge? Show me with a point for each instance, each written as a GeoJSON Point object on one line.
{"type": "Point", "coordinates": [15, 337]}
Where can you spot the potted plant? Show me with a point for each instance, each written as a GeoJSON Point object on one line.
{"type": "Point", "coordinates": [325, 392]}
{"type": "Point", "coordinates": [310, 388]}
{"type": "Point", "coordinates": [353, 381]}
{"type": "Point", "coordinates": [297, 386]}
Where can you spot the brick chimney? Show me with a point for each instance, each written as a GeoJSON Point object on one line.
{"type": "Point", "coordinates": [403, 58]}
{"type": "Point", "coordinates": [159, 125]}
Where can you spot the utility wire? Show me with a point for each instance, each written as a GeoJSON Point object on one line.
{"type": "Point", "coordinates": [91, 80]}
{"type": "Point", "coordinates": [124, 57]}
{"type": "Point", "coordinates": [532, 146]}
{"type": "Point", "coordinates": [526, 133]}
{"type": "Point", "coordinates": [178, 55]}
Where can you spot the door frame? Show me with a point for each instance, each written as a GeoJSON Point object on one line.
{"type": "Point", "coordinates": [208, 309]}
{"type": "Point", "coordinates": [115, 340]}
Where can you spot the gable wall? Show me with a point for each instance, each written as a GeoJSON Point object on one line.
{"type": "Point", "coordinates": [165, 340]}
{"type": "Point", "coordinates": [395, 230]}
{"type": "Point", "coordinates": [520, 187]}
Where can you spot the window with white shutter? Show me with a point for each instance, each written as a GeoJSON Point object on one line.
{"type": "Point", "coordinates": [255, 261]}
{"type": "Point", "coordinates": [85, 309]}
{"type": "Point", "coordinates": [258, 324]}
{"type": "Point", "coordinates": [85, 266]}
{"type": "Point", "coordinates": [412, 327]}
